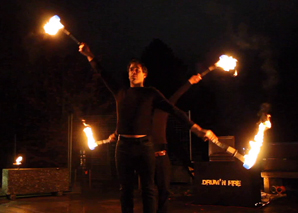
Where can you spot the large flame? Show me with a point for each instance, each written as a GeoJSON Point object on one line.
{"type": "Point", "coordinates": [91, 141]}
{"type": "Point", "coordinates": [53, 26]}
{"type": "Point", "coordinates": [227, 63]}
{"type": "Point", "coordinates": [255, 146]}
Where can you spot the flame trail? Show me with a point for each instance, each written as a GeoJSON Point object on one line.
{"type": "Point", "coordinates": [255, 146]}
{"type": "Point", "coordinates": [91, 141]}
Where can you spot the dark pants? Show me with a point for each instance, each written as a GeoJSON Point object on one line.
{"type": "Point", "coordinates": [136, 154]}
{"type": "Point", "coordinates": [162, 181]}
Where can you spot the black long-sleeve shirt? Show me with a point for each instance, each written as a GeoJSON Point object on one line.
{"type": "Point", "coordinates": [160, 119]}
{"type": "Point", "coordinates": [135, 106]}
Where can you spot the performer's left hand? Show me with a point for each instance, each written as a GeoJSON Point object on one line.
{"type": "Point", "coordinates": [113, 137]}
{"type": "Point", "coordinates": [206, 134]}
{"type": "Point", "coordinates": [209, 135]}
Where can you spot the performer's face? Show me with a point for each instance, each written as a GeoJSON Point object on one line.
{"type": "Point", "coordinates": [136, 75]}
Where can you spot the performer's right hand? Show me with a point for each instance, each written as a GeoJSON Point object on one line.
{"type": "Point", "coordinates": [195, 79]}
{"type": "Point", "coordinates": [85, 50]}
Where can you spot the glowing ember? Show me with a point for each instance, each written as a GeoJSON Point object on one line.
{"type": "Point", "coordinates": [91, 141]}
{"type": "Point", "coordinates": [227, 63]}
{"type": "Point", "coordinates": [18, 161]}
{"type": "Point", "coordinates": [53, 26]}
{"type": "Point", "coordinates": [255, 146]}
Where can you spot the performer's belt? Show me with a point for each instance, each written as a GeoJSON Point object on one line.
{"type": "Point", "coordinates": [160, 153]}
{"type": "Point", "coordinates": [134, 140]}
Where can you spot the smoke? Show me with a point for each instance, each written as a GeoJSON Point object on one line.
{"type": "Point", "coordinates": [269, 69]}
{"type": "Point", "coordinates": [261, 44]}
{"type": "Point", "coordinates": [264, 111]}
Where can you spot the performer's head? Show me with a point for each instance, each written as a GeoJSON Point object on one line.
{"type": "Point", "coordinates": [137, 72]}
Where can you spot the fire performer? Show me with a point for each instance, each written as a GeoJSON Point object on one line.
{"type": "Point", "coordinates": [134, 149]}
{"type": "Point", "coordinates": [163, 165]}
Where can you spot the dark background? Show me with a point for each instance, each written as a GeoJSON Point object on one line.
{"type": "Point", "coordinates": [44, 79]}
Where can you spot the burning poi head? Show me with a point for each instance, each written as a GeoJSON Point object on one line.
{"type": "Point", "coordinates": [227, 63]}
{"type": "Point", "coordinates": [91, 141]}
{"type": "Point", "coordinates": [54, 25]}
{"type": "Point", "coordinates": [255, 146]}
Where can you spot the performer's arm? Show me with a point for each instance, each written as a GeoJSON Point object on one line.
{"type": "Point", "coordinates": [163, 104]}
{"type": "Point", "coordinates": [112, 138]}
{"type": "Point", "coordinates": [110, 83]}
{"type": "Point", "coordinates": [192, 80]}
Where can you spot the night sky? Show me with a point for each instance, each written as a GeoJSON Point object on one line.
{"type": "Point", "coordinates": [262, 35]}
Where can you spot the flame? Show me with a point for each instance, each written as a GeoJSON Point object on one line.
{"type": "Point", "coordinates": [53, 26]}
{"type": "Point", "coordinates": [255, 146]}
{"type": "Point", "coordinates": [91, 141]}
{"type": "Point", "coordinates": [18, 160]}
{"type": "Point", "coordinates": [227, 63]}
{"type": "Point", "coordinates": [236, 73]}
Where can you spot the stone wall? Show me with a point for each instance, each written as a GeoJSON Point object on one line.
{"type": "Point", "coordinates": [20, 181]}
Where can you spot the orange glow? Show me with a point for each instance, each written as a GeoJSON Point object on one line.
{"type": "Point", "coordinates": [91, 141]}
{"type": "Point", "coordinates": [255, 146]}
{"type": "Point", "coordinates": [53, 26]}
{"type": "Point", "coordinates": [227, 63]}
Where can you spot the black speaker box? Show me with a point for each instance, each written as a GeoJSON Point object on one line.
{"type": "Point", "coordinates": [227, 183]}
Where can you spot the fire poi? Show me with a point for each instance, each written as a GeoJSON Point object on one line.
{"type": "Point", "coordinates": [91, 141]}
{"type": "Point", "coordinates": [255, 146]}
{"type": "Point", "coordinates": [227, 63]}
{"type": "Point", "coordinates": [54, 25]}
{"type": "Point", "coordinates": [230, 150]}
